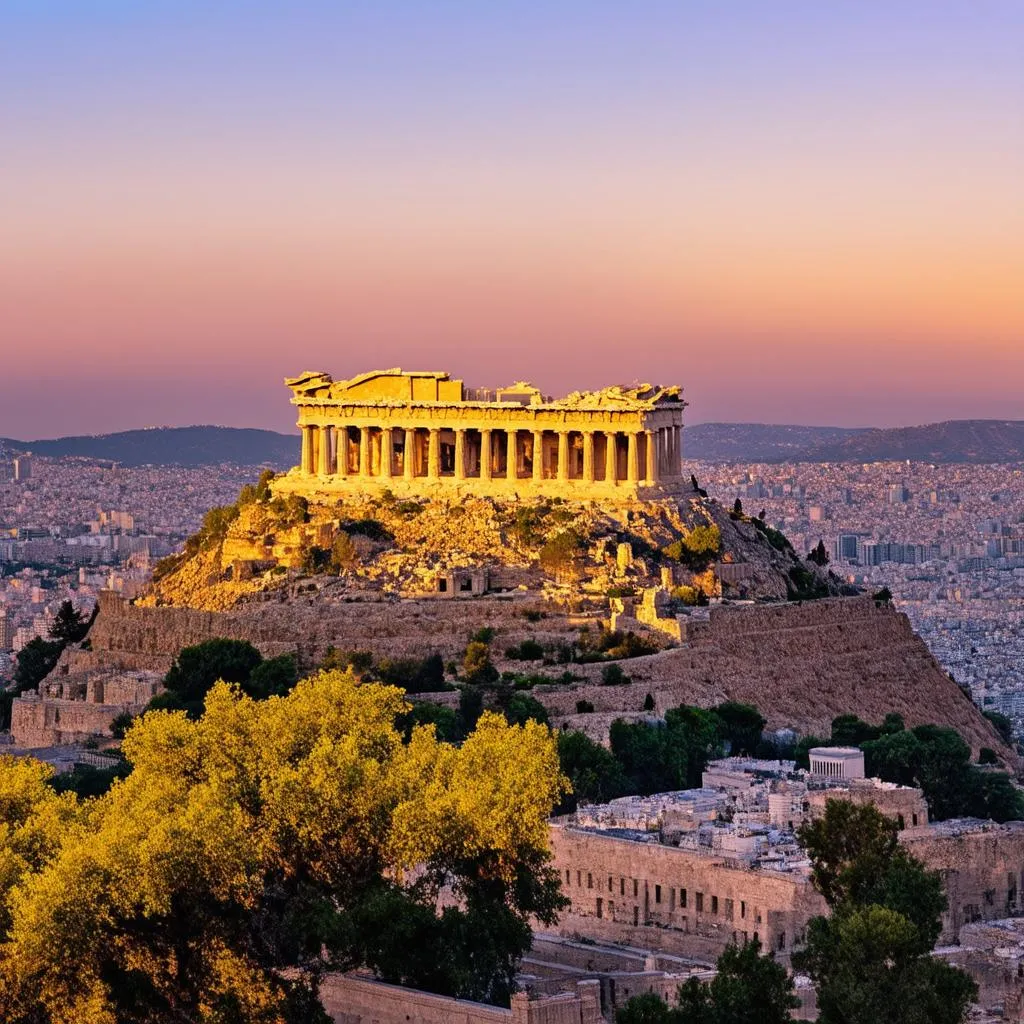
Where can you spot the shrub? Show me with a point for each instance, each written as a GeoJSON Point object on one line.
{"type": "Point", "coordinates": [528, 650]}
{"type": "Point", "coordinates": [584, 707]}
{"type": "Point", "coordinates": [612, 675]}
{"type": "Point", "coordinates": [484, 635]}
{"type": "Point", "coordinates": [560, 553]}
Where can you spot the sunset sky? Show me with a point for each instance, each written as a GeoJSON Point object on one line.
{"type": "Point", "coordinates": [802, 211]}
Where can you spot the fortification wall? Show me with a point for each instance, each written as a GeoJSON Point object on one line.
{"type": "Point", "coordinates": [351, 1000]}
{"type": "Point", "coordinates": [661, 897]}
{"type": "Point", "coordinates": [800, 664]}
{"type": "Point", "coordinates": [982, 870]}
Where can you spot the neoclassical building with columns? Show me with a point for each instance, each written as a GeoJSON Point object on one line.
{"type": "Point", "coordinates": [424, 433]}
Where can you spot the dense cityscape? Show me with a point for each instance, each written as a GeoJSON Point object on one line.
{"type": "Point", "coordinates": [947, 541]}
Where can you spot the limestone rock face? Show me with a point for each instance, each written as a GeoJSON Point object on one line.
{"type": "Point", "coordinates": [369, 546]}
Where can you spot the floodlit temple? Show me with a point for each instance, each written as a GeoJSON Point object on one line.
{"type": "Point", "coordinates": [413, 432]}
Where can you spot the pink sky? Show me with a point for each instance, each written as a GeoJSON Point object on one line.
{"type": "Point", "coordinates": [807, 219]}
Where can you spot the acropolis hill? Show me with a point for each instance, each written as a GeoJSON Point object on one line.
{"type": "Point", "coordinates": [423, 511]}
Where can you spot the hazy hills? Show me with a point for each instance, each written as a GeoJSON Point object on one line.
{"type": "Point", "coordinates": [181, 446]}
{"type": "Point", "coordinates": [978, 441]}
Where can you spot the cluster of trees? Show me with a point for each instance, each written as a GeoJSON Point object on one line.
{"type": "Point", "coordinates": [870, 959]}
{"type": "Point", "coordinates": [265, 842]}
{"type": "Point", "coordinates": [698, 549]}
{"type": "Point", "coordinates": [932, 757]}
{"type": "Point", "coordinates": [655, 757]}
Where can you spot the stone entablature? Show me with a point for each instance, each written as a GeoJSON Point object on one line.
{"type": "Point", "coordinates": [411, 431]}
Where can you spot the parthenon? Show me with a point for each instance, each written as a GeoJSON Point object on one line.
{"type": "Point", "coordinates": [419, 432]}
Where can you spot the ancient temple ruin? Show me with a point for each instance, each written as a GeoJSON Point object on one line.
{"type": "Point", "coordinates": [416, 431]}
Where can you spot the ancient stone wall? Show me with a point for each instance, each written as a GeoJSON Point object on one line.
{"type": "Point", "coordinates": [351, 1000]}
{"type": "Point", "coordinates": [800, 665]}
{"type": "Point", "coordinates": [661, 897]}
{"type": "Point", "coordinates": [981, 866]}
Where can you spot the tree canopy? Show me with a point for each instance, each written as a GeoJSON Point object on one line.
{"type": "Point", "coordinates": [870, 960]}
{"type": "Point", "coordinates": [273, 835]}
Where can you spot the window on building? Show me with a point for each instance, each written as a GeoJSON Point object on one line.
{"type": "Point", "coordinates": [636, 916]}
{"type": "Point", "coordinates": [671, 900]}
{"type": "Point", "coordinates": [609, 883]}
{"type": "Point", "coordinates": [657, 894]}
{"type": "Point", "coordinates": [600, 907]}
{"type": "Point", "coordinates": [743, 913]}
{"type": "Point", "coordinates": [590, 880]}
{"type": "Point", "coordinates": [567, 881]}
{"type": "Point", "coordinates": [700, 902]}
{"type": "Point", "coordinates": [728, 909]}
{"type": "Point", "coordinates": [913, 818]}
{"type": "Point", "coordinates": [682, 898]}
{"type": "Point", "coordinates": [579, 879]}
{"type": "Point", "coordinates": [622, 887]}
{"type": "Point", "coordinates": [714, 904]}
{"type": "Point", "coordinates": [636, 888]}
{"type": "Point", "coordinates": [782, 940]}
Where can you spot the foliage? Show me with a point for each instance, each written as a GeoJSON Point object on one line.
{"type": "Point", "coordinates": [584, 707]}
{"type": "Point", "coordinates": [445, 721]}
{"type": "Point", "coordinates": [939, 761]}
{"type": "Point", "coordinates": [121, 724]}
{"type": "Point", "coordinates": [69, 626]}
{"type": "Point", "coordinates": [871, 959]}
{"type": "Point", "coordinates": [528, 650]}
{"type": "Point", "coordinates": [559, 555]}
{"type": "Point", "coordinates": [747, 988]}
{"type": "Point", "coordinates": [528, 523]}
{"type": "Point", "coordinates": [484, 635]}
{"type": "Point", "coordinates": [1002, 725]}
{"type": "Point", "coordinates": [414, 675]}
{"type": "Point", "coordinates": [742, 725]}
{"type": "Point", "coordinates": [776, 538]}
{"type": "Point", "coordinates": [199, 667]}
{"type": "Point", "coordinates": [86, 780]}
{"type": "Point", "coordinates": [818, 555]}
{"type": "Point", "coordinates": [612, 675]}
{"type": "Point", "coordinates": [521, 708]}
{"type": "Point", "coordinates": [594, 773]}
{"type": "Point", "coordinates": [883, 597]}
{"type": "Point", "coordinates": [36, 661]}
{"type": "Point", "coordinates": [477, 666]}
{"type": "Point", "coordinates": [804, 585]}
{"type": "Point", "coordinates": [268, 842]}
{"type": "Point", "coordinates": [698, 548]}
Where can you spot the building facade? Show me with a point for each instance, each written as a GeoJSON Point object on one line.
{"type": "Point", "coordinates": [419, 432]}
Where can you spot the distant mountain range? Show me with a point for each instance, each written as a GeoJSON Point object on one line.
{"type": "Point", "coordinates": [977, 441]}
{"type": "Point", "coordinates": [174, 446]}
{"type": "Point", "coordinates": [954, 441]}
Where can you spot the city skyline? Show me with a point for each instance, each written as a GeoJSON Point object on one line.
{"type": "Point", "coordinates": [801, 215]}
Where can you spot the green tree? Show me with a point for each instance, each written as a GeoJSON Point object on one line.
{"type": "Point", "coordinates": [69, 626]}
{"type": "Point", "coordinates": [748, 988]}
{"type": "Point", "coordinates": [36, 660]}
{"type": "Point", "coordinates": [819, 555]}
{"type": "Point", "coordinates": [1002, 725]}
{"type": "Point", "coordinates": [199, 667]}
{"type": "Point", "coordinates": [521, 708]}
{"type": "Point", "coordinates": [871, 959]}
{"type": "Point", "coordinates": [742, 725]}
{"type": "Point", "coordinates": [594, 773]}
{"type": "Point", "coordinates": [851, 731]}
{"type": "Point", "coordinates": [477, 666]}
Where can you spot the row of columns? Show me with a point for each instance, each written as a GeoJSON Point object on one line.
{"type": "Point", "coordinates": [325, 452]}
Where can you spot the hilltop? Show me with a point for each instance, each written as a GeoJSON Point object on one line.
{"type": "Point", "coordinates": [172, 446]}
{"type": "Point", "coordinates": [968, 441]}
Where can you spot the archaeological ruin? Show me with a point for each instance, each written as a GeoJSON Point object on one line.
{"type": "Point", "coordinates": [418, 432]}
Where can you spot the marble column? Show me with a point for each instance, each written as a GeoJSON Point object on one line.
{"type": "Point", "coordinates": [632, 459]}
{"type": "Point", "coordinates": [409, 458]}
{"type": "Point", "coordinates": [307, 451]}
{"type": "Point", "coordinates": [677, 450]}
{"type": "Point", "coordinates": [563, 455]}
{"type": "Point", "coordinates": [511, 469]}
{"type": "Point", "coordinates": [588, 456]}
{"type": "Point", "coordinates": [486, 455]}
{"type": "Point", "coordinates": [538, 456]}
{"type": "Point", "coordinates": [386, 452]}
{"type": "Point", "coordinates": [434, 455]}
{"type": "Point", "coordinates": [611, 458]}
{"type": "Point", "coordinates": [364, 451]}
{"type": "Point", "coordinates": [324, 460]}
{"type": "Point", "coordinates": [341, 451]}
{"type": "Point", "coordinates": [460, 454]}
{"type": "Point", "coordinates": [651, 456]}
